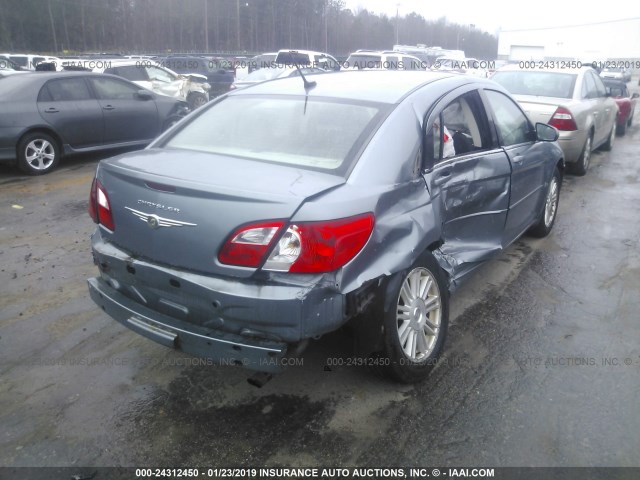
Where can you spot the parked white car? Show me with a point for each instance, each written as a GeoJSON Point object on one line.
{"type": "Point", "coordinates": [30, 61]}
{"type": "Point", "coordinates": [8, 67]}
{"type": "Point", "coordinates": [191, 88]}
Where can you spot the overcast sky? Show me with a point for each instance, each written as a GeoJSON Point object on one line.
{"type": "Point", "coordinates": [492, 15]}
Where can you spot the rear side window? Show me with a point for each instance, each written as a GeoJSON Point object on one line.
{"type": "Point", "coordinates": [20, 60]}
{"type": "Point", "coordinates": [315, 134]}
{"type": "Point", "coordinates": [64, 90]}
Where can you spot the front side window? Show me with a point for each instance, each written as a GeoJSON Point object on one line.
{"type": "Point", "coordinates": [157, 74]}
{"type": "Point", "coordinates": [133, 73]}
{"type": "Point", "coordinates": [112, 89]}
{"type": "Point", "coordinates": [314, 133]}
{"type": "Point", "coordinates": [513, 126]}
{"type": "Point", "coordinates": [461, 128]}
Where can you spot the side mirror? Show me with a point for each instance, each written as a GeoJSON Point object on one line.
{"type": "Point", "coordinates": [635, 95]}
{"type": "Point", "coordinates": [145, 95]}
{"type": "Point", "coordinates": [546, 133]}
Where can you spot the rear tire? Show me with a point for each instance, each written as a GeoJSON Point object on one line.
{"type": "Point", "coordinates": [621, 129]}
{"type": "Point", "coordinates": [416, 322]}
{"type": "Point", "coordinates": [610, 141]}
{"type": "Point", "coordinates": [582, 165]}
{"type": "Point", "coordinates": [38, 153]}
{"type": "Point", "coordinates": [550, 208]}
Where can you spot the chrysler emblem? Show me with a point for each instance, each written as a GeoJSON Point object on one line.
{"type": "Point", "coordinates": [155, 221]}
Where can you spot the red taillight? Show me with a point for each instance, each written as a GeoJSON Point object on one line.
{"type": "Point", "coordinates": [248, 245]}
{"type": "Point", "coordinates": [327, 246]}
{"type": "Point", "coordinates": [305, 247]}
{"type": "Point", "coordinates": [99, 207]}
{"type": "Point", "coordinates": [563, 120]}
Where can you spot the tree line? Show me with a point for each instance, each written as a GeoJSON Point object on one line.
{"type": "Point", "coordinates": [225, 26]}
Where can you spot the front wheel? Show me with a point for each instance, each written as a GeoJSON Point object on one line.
{"type": "Point", "coordinates": [548, 215]}
{"type": "Point", "coordinates": [416, 322]}
{"type": "Point", "coordinates": [196, 100]}
{"type": "Point", "coordinates": [38, 153]}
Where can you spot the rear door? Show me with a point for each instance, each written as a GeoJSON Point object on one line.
{"type": "Point", "coordinates": [517, 136]}
{"type": "Point", "coordinates": [127, 117]}
{"type": "Point", "coordinates": [607, 107]}
{"type": "Point", "coordinates": [70, 108]}
{"type": "Point", "coordinates": [594, 107]}
{"type": "Point", "coordinates": [469, 182]}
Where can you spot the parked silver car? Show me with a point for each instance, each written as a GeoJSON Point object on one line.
{"type": "Point", "coordinates": [278, 213]}
{"type": "Point", "coordinates": [575, 101]}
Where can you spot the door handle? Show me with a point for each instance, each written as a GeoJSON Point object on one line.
{"type": "Point", "coordinates": [442, 177]}
{"type": "Point", "coordinates": [108, 107]}
{"type": "Point", "coordinates": [51, 110]}
{"type": "Point", "coordinates": [518, 159]}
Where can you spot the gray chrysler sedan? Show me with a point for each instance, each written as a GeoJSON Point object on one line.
{"type": "Point", "coordinates": [281, 212]}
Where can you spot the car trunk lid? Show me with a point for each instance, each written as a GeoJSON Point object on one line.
{"type": "Point", "coordinates": [178, 207]}
{"type": "Point", "coordinates": [539, 109]}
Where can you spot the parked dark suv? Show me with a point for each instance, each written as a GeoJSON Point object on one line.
{"type": "Point", "coordinates": [219, 78]}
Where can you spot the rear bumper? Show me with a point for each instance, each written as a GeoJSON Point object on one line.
{"type": "Point", "coordinates": [232, 322]}
{"type": "Point", "coordinates": [223, 349]}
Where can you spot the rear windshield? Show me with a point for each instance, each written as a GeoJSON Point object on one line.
{"type": "Point", "coordinates": [320, 134]}
{"type": "Point", "coordinates": [542, 84]}
{"type": "Point", "coordinates": [292, 58]}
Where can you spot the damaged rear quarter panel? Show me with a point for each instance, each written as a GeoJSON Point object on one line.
{"type": "Point", "coordinates": [387, 177]}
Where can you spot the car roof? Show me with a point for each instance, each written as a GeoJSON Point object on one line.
{"type": "Point", "coordinates": [382, 86]}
